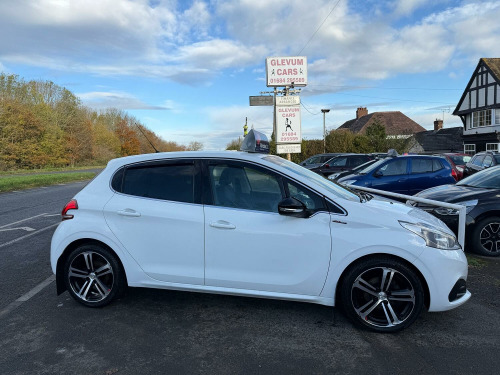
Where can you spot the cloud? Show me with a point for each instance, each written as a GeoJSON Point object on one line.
{"type": "Point", "coordinates": [406, 7]}
{"type": "Point", "coordinates": [119, 100]}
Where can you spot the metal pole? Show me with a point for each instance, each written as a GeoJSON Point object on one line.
{"type": "Point", "coordinates": [325, 111]}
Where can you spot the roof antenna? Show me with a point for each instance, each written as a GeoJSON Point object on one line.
{"type": "Point", "coordinates": [138, 127]}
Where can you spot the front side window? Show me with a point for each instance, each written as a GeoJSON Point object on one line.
{"type": "Point", "coordinates": [243, 187]}
{"type": "Point", "coordinates": [166, 182]}
{"type": "Point", "coordinates": [477, 160]}
{"type": "Point", "coordinates": [338, 162]}
{"type": "Point", "coordinates": [311, 200]}
{"type": "Point", "coordinates": [394, 167]}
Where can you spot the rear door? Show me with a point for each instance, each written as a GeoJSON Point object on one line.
{"type": "Point", "coordinates": [422, 174]}
{"type": "Point", "coordinates": [157, 216]}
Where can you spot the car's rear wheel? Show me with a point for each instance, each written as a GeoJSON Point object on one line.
{"type": "Point", "coordinates": [486, 237]}
{"type": "Point", "coordinates": [382, 294]}
{"type": "Point", "coordinates": [93, 275]}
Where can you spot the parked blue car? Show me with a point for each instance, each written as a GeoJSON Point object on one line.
{"type": "Point", "coordinates": [403, 174]}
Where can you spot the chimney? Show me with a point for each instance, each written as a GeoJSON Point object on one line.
{"type": "Point", "coordinates": [361, 111]}
{"type": "Point", "coordinates": [438, 124]}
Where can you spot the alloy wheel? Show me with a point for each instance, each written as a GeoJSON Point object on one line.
{"type": "Point", "coordinates": [383, 297]}
{"type": "Point", "coordinates": [490, 237]}
{"type": "Point", "coordinates": [91, 276]}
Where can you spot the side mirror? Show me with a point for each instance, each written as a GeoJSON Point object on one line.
{"type": "Point", "coordinates": [326, 166]}
{"type": "Point", "coordinates": [292, 207]}
{"type": "Point", "coordinates": [378, 174]}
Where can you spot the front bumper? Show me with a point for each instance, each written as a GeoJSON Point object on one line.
{"type": "Point", "coordinates": [443, 269]}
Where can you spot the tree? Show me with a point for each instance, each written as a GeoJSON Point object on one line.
{"type": "Point", "coordinates": [235, 144]}
{"type": "Point", "coordinates": [377, 136]}
{"type": "Point", "coordinates": [195, 146]}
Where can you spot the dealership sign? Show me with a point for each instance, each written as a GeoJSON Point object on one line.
{"type": "Point", "coordinates": [288, 126]}
{"type": "Point", "coordinates": [286, 71]}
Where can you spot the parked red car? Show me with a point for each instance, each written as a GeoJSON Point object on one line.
{"type": "Point", "coordinates": [457, 162]}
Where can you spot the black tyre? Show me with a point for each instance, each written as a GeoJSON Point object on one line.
{"type": "Point", "coordinates": [93, 275]}
{"type": "Point", "coordinates": [382, 294]}
{"type": "Point", "coordinates": [485, 237]}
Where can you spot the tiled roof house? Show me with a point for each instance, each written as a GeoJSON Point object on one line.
{"type": "Point", "coordinates": [396, 123]}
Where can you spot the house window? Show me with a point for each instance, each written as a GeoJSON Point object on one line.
{"type": "Point", "coordinates": [497, 116]}
{"type": "Point", "coordinates": [481, 118]}
{"type": "Point", "coordinates": [469, 149]}
{"type": "Point", "coordinates": [492, 147]}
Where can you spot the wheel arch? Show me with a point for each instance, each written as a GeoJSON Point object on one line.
{"type": "Point", "coordinates": [385, 255]}
{"type": "Point", "coordinates": [60, 284]}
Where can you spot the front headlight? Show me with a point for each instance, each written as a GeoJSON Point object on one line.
{"type": "Point", "coordinates": [432, 236]}
{"type": "Point", "coordinates": [348, 182]}
{"type": "Point", "coordinates": [451, 211]}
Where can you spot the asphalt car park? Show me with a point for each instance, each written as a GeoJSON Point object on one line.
{"type": "Point", "coordinates": [158, 331]}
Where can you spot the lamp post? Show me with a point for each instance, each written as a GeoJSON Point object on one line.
{"type": "Point", "coordinates": [325, 111]}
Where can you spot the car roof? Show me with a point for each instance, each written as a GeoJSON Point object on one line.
{"type": "Point", "coordinates": [115, 163]}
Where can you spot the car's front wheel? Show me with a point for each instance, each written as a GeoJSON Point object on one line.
{"type": "Point", "coordinates": [93, 275]}
{"type": "Point", "coordinates": [382, 294]}
{"type": "Point", "coordinates": [486, 237]}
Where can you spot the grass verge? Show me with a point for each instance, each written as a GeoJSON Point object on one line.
{"type": "Point", "coordinates": [50, 169]}
{"type": "Point", "coordinates": [11, 183]}
{"type": "Point", "coordinates": [475, 262]}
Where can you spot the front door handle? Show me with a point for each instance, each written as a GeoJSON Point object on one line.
{"type": "Point", "coordinates": [128, 212]}
{"type": "Point", "coordinates": [222, 225]}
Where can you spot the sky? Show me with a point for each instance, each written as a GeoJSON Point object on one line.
{"type": "Point", "coordinates": [186, 68]}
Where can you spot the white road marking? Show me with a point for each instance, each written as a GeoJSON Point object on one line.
{"type": "Point", "coordinates": [27, 229]}
{"type": "Point", "coordinates": [23, 220]}
{"type": "Point", "coordinates": [50, 215]}
{"type": "Point", "coordinates": [28, 235]}
{"type": "Point", "coordinates": [25, 297]}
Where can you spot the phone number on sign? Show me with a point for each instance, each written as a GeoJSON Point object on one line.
{"type": "Point", "coordinates": [289, 139]}
{"type": "Point", "coordinates": [287, 80]}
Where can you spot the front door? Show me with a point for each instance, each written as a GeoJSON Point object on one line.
{"type": "Point", "coordinates": [248, 245]}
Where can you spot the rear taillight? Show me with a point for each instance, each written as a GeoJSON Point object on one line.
{"type": "Point", "coordinates": [71, 205]}
{"type": "Point", "coordinates": [454, 174]}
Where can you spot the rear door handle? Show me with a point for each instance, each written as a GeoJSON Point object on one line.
{"type": "Point", "coordinates": [128, 212]}
{"type": "Point", "coordinates": [222, 225]}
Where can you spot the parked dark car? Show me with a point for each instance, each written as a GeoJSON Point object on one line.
{"type": "Point", "coordinates": [403, 174]}
{"type": "Point", "coordinates": [317, 160]}
{"type": "Point", "coordinates": [335, 176]}
{"type": "Point", "coordinates": [480, 194]}
{"type": "Point", "coordinates": [340, 163]}
{"type": "Point", "coordinates": [457, 162]}
{"type": "Point", "coordinates": [480, 161]}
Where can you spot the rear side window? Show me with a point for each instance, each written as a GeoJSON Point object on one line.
{"type": "Point", "coordinates": [167, 182]}
{"type": "Point", "coordinates": [424, 165]}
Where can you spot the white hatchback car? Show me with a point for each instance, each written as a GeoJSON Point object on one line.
{"type": "Point", "coordinates": [252, 224]}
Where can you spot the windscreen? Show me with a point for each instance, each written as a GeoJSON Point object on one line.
{"type": "Point", "coordinates": [489, 179]}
